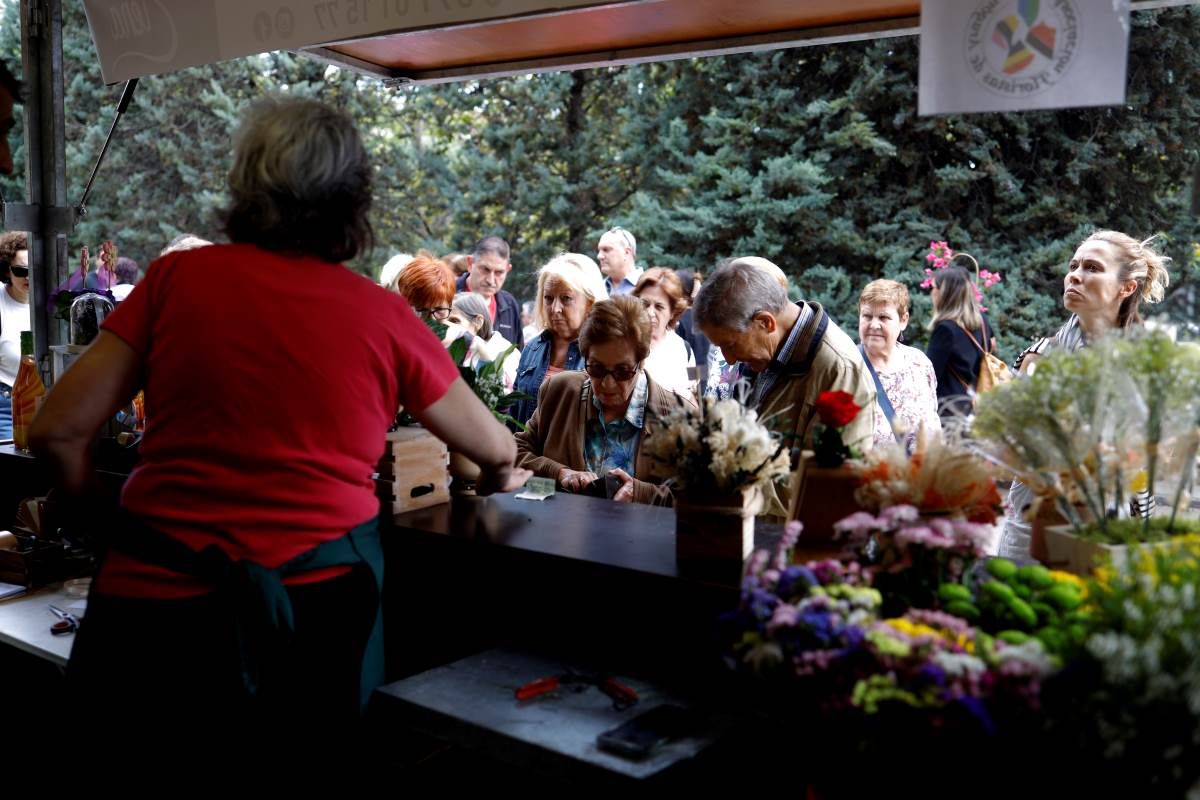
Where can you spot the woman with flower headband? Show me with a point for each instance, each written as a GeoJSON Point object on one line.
{"type": "Point", "coordinates": [1108, 279]}
{"type": "Point", "coordinates": [591, 425]}
{"type": "Point", "coordinates": [960, 333]}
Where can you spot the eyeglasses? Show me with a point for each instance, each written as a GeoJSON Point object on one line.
{"type": "Point", "coordinates": [440, 313]}
{"type": "Point", "coordinates": [620, 373]}
{"type": "Point", "coordinates": [19, 272]}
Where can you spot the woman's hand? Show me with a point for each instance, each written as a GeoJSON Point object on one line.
{"type": "Point", "coordinates": [625, 493]}
{"type": "Point", "coordinates": [573, 480]}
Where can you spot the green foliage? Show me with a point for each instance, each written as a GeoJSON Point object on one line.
{"type": "Point", "coordinates": [811, 157]}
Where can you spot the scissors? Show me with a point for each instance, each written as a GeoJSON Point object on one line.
{"type": "Point", "coordinates": [67, 623]}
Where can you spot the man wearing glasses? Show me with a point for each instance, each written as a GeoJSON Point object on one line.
{"type": "Point", "coordinates": [616, 253]}
{"type": "Point", "coordinates": [14, 317]}
{"type": "Point", "coordinates": [488, 266]}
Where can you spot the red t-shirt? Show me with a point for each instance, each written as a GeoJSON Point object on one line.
{"type": "Point", "coordinates": [270, 381]}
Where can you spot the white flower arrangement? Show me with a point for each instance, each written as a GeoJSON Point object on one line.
{"type": "Point", "coordinates": [719, 447]}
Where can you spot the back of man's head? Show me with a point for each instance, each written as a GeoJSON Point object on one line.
{"type": "Point", "coordinates": [735, 292]}
{"type": "Point", "coordinates": [491, 245]}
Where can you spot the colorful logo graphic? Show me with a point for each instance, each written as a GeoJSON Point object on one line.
{"type": "Point", "coordinates": [1024, 47]}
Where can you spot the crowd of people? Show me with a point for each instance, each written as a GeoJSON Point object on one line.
{"type": "Point", "coordinates": [276, 415]}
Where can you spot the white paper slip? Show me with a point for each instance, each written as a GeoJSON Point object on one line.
{"type": "Point", "coordinates": [8, 590]}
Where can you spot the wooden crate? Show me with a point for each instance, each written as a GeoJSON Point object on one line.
{"type": "Point", "coordinates": [413, 472]}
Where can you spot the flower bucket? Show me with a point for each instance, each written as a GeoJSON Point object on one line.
{"type": "Point", "coordinates": [1068, 551]}
{"type": "Point", "coordinates": [824, 496]}
{"type": "Point", "coordinates": [716, 528]}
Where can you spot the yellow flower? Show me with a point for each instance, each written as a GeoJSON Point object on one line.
{"type": "Point", "coordinates": [913, 628]}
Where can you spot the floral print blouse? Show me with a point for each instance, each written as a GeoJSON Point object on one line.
{"type": "Point", "coordinates": [912, 389]}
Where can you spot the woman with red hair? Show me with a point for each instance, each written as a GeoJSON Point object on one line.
{"type": "Point", "coordinates": [427, 283]}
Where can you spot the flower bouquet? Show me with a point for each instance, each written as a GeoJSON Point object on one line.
{"type": "Point", "coordinates": [1101, 433]}
{"type": "Point", "coordinates": [716, 458]}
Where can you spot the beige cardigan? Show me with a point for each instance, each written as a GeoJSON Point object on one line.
{"type": "Point", "coordinates": [555, 438]}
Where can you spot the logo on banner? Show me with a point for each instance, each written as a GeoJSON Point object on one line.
{"type": "Point", "coordinates": [1020, 48]}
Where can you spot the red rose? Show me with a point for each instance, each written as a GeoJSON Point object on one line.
{"type": "Point", "coordinates": [837, 409]}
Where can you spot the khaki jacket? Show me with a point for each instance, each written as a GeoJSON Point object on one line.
{"type": "Point", "coordinates": [554, 441]}
{"type": "Point", "coordinates": [790, 406]}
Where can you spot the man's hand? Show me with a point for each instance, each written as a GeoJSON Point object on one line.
{"type": "Point", "coordinates": [625, 493]}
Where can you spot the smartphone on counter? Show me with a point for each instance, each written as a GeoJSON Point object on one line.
{"type": "Point", "coordinates": [641, 736]}
{"type": "Point", "coordinates": [605, 487]}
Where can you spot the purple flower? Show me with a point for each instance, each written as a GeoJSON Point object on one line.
{"type": "Point", "coordinates": [796, 580]}
{"type": "Point", "coordinates": [892, 515]}
{"type": "Point", "coordinates": [858, 523]}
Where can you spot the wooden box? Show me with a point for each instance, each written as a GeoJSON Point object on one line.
{"type": "Point", "coordinates": [413, 473]}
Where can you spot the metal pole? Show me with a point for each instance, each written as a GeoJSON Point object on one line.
{"type": "Point", "coordinates": [45, 169]}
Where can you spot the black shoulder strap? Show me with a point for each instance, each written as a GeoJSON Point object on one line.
{"type": "Point", "coordinates": [886, 404]}
{"type": "Point", "coordinates": [813, 347]}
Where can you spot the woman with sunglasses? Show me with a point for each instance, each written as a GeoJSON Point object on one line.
{"type": "Point", "coordinates": [14, 317]}
{"type": "Point", "coordinates": [589, 425]}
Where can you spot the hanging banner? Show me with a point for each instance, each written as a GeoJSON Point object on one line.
{"type": "Point", "coordinates": [147, 37]}
{"type": "Point", "coordinates": [1014, 55]}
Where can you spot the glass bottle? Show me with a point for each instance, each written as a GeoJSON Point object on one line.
{"type": "Point", "coordinates": [27, 393]}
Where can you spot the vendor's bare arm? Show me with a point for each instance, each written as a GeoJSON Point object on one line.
{"type": "Point", "coordinates": [461, 421]}
{"type": "Point", "coordinates": [99, 383]}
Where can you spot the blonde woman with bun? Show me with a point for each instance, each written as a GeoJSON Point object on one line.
{"type": "Point", "coordinates": [1108, 279]}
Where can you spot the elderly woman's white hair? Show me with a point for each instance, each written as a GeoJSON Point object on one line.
{"type": "Point", "coordinates": [578, 272]}
{"type": "Point", "coordinates": [392, 269]}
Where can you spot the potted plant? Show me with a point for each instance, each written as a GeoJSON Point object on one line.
{"type": "Point", "coordinates": [1098, 432]}
{"type": "Point", "coordinates": [716, 457]}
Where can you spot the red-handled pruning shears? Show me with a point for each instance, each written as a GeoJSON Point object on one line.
{"type": "Point", "coordinates": [622, 696]}
{"type": "Point", "coordinates": [67, 623]}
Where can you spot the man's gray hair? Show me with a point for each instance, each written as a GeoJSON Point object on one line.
{"type": "Point", "coordinates": [734, 293]}
{"type": "Point", "coordinates": [626, 237]}
{"type": "Point", "coordinates": [491, 244]}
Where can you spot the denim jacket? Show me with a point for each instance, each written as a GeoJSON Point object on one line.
{"type": "Point", "coordinates": [535, 358]}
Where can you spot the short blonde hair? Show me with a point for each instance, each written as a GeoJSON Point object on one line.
{"type": "Point", "coordinates": [578, 272]}
{"type": "Point", "coordinates": [884, 291]}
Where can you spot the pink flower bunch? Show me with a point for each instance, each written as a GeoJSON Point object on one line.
{"type": "Point", "coordinates": [940, 255]}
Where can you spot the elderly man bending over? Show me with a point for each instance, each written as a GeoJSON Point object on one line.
{"type": "Point", "coordinates": [793, 351]}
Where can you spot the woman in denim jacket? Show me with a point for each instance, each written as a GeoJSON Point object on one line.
{"type": "Point", "coordinates": [568, 286]}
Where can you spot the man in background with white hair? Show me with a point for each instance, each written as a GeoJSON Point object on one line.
{"type": "Point", "coordinates": [794, 353]}
{"type": "Point", "coordinates": [616, 254]}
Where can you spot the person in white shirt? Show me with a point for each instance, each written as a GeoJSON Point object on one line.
{"type": "Point", "coordinates": [14, 317]}
{"type": "Point", "coordinates": [663, 296]}
{"type": "Point", "coordinates": [616, 254]}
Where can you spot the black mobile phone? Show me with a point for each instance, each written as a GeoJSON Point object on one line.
{"type": "Point", "coordinates": [641, 736]}
{"type": "Point", "coordinates": [605, 487]}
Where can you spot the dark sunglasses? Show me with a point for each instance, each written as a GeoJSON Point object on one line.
{"type": "Point", "coordinates": [620, 374]}
{"type": "Point", "coordinates": [19, 272]}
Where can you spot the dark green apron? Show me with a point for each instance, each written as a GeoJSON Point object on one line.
{"type": "Point", "coordinates": [261, 609]}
